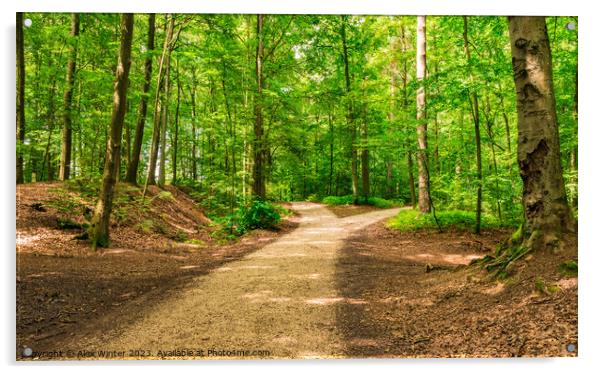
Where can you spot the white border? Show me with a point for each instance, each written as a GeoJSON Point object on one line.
{"type": "Point", "coordinates": [590, 255]}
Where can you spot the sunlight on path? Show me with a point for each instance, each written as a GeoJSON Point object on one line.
{"type": "Point", "coordinates": [281, 298]}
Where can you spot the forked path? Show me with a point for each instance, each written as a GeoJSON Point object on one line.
{"type": "Point", "coordinates": [282, 298]}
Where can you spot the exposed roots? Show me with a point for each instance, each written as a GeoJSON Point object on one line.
{"type": "Point", "coordinates": [501, 264]}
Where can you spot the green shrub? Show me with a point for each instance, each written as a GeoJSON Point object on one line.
{"type": "Point", "coordinates": [378, 202]}
{"type": "Point", "coordinates": [259, 214]}
{"type": "Point", "coordinates": [338, 200]}
{"type": "Point", "coordinates": [411, 220]}
{"type": "Point", "coordinates": [381, 203]}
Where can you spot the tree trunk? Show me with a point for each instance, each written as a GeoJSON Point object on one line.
{"type": "Point", "coordinates": [489, 119]}
{"type": "Point", "coordinates": [65, 167]}
{"type": "Point", "coordinates": [164, 117]}
{"type": "Point", "coordinates": [424, 198]}
{"type": "Point", "coordinates": [331, 151]}
{"type": "Point", "coordinates": [258, 146]}
{"type": "Point", "coordinates": [194, 136]}
{"type": "Point", "coordinates": [174, 162]}
{"type": "Point", "coordinates": [350, 116]}
{"type": "Point", "coordinates": [99, 226]}
{"type": "Point", "coordinates": [574, 148]}
{"type": "Point", "coordinates": [547, 214]}
{"type": "Point", "coordinates": [411, 181]}
{"type": "Point", "coordinates": [474, 106]}
{"type": "Point", "coordinates": [365, 152]}
{"type": "Point", "coordinates": [132, 172]}
{"type": "Point", "coordinates": [154, 154]}
{"type": "Point", "coordinates": [20, 98]}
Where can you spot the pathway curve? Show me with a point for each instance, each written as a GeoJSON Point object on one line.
{"type": "Point", "coordinates": [281, 298]}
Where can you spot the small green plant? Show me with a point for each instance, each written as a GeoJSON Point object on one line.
{"type": "Point", "coordinates": [146, 226]}
{"type": "Point", "coordinates": [180, 236]}
{"type": "Point", "coordinates": [314, 198]}
{"type": "Point", "coordinates": [544, 288]}
{"type": "Point", "coordinates": [197, 242]}
{"type": "Point", "coordinates": [67, 224]}
{"type": "Point", "coordinates": [165, 196]}
{"type": "Point", "coordinates": [569, 268]}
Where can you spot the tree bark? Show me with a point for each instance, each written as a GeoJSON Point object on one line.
{"type": "Point", "coordinates": [132, 172]}
{"type": "Point", "coordinates": [20, 98]}
{"type": "Point", "coordinates": [547, 214]}
{"type": "Point", "coordinates": [350, 115]}
{"type": "Point", "coordinates": [99, 226]}
{"type": "Point", "coordinates": [474, 106]}
{"type": "Point", "coordinates": [424, 198]}
{"type": "Point", "coordinates": [65, 167]}
{"type": "Point", "coordinates": [258, 146]}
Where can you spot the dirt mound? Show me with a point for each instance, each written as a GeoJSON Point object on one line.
{"type": "Point", "coordinates": [158, 245]}
{"type": "Point", "coordinates": [51, 215]}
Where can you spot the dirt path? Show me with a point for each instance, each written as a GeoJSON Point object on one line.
{"type": "Point", "coordinates": [282, 298]}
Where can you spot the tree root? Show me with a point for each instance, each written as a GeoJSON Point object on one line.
{"type": "Point", "coordinates": [516, 247]}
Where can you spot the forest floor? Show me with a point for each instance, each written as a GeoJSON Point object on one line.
{"type": "Point", "coordinates": [328, 285]}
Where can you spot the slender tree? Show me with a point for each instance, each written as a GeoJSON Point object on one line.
{"type": "Point", "coordinates": [258, 143]}
{"type": "Point", "coordinates": [365, 155]}
{"type": "Point", "coordinates": [132, 172]}
{"type": "Point", "coordinates": [547, 214]}
{"type": "Point", "coordinates": [424, 198]}
{"type": "Point", "coordinates": [404, 106]}
{"type": "Point", "coordinates": [65, 167]}
{"type": "Point", "coordinates": [474, 109]}
{"type": "Point", "coordinates": [20, 97]}
{"type": "Point", "coordinates": [165, 115]}
{"type": "Point", "coordinates": [154, 153]}
{"type": "Point", "coordinates": [350, 114]}
{"type": "Point", "coordinates": [99, 225]}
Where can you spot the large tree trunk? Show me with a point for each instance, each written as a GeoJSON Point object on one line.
{"type": "Point", "coordinates": [350, 116]}
{"type": "Point", "coordinates": [258, 146]}
{"type": "Point", "coordinates": [474, 107]}
{"type": "Point", "coordinates": [65, 167]}
{"type": "Point", "coordinates": [424, 198]}
{"type": "Point", "coordinates": [99, 227]}
{"type": "Point", "coordinates": [20, 97]}
{"type": "Point", "coordinates": [132, 172]}
{"type": "Point", "coordinates": [547, 214]}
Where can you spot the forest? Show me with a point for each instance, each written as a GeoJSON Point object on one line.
{"type": "Point", "coordinates": [458, 126]}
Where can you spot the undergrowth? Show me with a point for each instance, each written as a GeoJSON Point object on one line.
{"type": "Point", "coordinates": [378, 202]}
{"type": "Point", "coordinates": [412, 220]}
